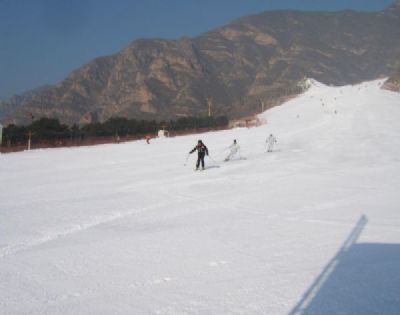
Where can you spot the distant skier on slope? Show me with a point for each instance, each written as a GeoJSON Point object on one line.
{"type": "Point", "coordinates": [147, 138]}
{"type": "Point", "coordinates": [271, 140]}
{"type": "Point", "coordinates": [201, 152]}
{"type": "Point", "coordinates": [234, 149]}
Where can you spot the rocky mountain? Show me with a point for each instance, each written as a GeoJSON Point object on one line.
{"type": "Point", "coordinates": [5, 109]}
{"type": "Point", "coordinates": [260, 58]}
{"type": "Point", "coordinates": [12, 104]}
{"type": "Point", "coordinates": [393, 83]}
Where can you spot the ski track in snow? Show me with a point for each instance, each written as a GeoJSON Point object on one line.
{"type": "Point", "coordinates": [81, 227]}
{"type": "Point", "coordinates": [13, 249]}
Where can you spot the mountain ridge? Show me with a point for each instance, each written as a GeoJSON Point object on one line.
{"type": "Point", "coordinates": [252, 60]}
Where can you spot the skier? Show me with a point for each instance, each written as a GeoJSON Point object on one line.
{"type": "Point", "coordinates": [234, 148]}
{"type": "Point", "coordinates": [201, 152]}
{"type": "Point", "coordinates": [271, 140]}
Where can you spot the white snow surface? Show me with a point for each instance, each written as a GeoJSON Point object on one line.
{"type": "Point", "coordinates": [128, 229]}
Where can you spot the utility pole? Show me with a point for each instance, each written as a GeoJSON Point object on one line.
{"type": "Point", "coordinates": [29, 140]}
{"type": "Point", "coordinates": [262, 105]}
{"type": "Point", "coordinates": [209, 103]}
{"type": "Point", "coordinates": [30, 132]}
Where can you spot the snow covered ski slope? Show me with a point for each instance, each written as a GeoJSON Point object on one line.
{"type": "Point", "coordinates": [310, 228]}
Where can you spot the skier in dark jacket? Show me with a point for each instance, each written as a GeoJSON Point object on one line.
{"type": "Point", "coordinates": [201, 152]}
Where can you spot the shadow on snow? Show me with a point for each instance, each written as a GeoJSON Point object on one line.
{"type": "Point", "coordinates": [361, 279]}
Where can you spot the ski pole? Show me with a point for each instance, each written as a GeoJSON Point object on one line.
{"type": "Point", "coordinates": [222, 152]}
{"type": "Point", "coordinates": [212, 159]}
{"type": "Point", "coordinates": [187, 158]}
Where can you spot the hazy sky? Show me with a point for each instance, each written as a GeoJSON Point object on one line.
{"type": "Point", "coordinates": [41, 41]}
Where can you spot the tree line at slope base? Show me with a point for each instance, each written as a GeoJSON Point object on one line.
{"type": "Point", "coordinates": [50, 131]}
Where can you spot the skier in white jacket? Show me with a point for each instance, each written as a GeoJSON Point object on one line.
{"type": "Point", "coordinates": [234, 149]}
{"type": "Point", "coordinates": [271, 140]}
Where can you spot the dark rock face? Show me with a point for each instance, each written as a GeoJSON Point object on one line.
{"type": "Point", "coordinates": [393, 83]}
{"type": "Point", "coordinates": [260, 58]}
